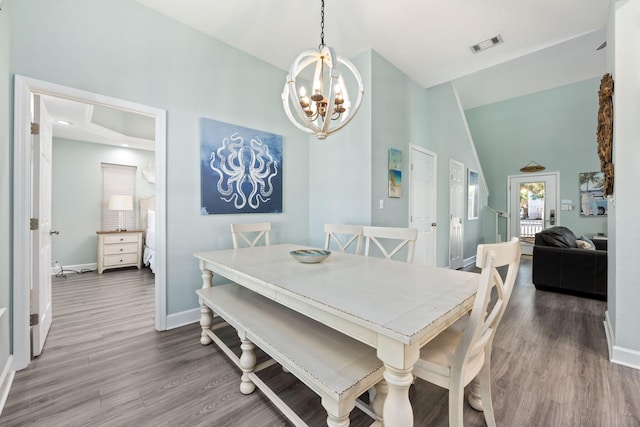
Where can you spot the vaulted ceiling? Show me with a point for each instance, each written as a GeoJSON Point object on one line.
{"type": "Point", "coordinates": [546, 44]}
{"type": "Point", "coordinates": [430, 41]}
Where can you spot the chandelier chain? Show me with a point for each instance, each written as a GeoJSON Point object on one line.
{"type": "Point", "coordinates": [321, 27]}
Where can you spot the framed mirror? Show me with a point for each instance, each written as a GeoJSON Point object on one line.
{"type": "Point", "coordinates": [473, 194]}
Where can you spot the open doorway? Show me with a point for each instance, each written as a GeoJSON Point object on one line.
{"type": "Point", "coordinates": [533, 201]}
{"type": "Point", "coordinates": [25, 90]}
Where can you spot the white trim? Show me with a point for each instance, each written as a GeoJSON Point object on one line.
{"type": "Point", "coordinates": [24, 88]}
{"type": "Point", "coordinates": [6, 380]}
{"type": "Point", "coordinates": [73, 269]}
{"type": "Point", "coordinates": [183, 318]}
{"type": "Point", "coordinates": [531, 175]}
{"type": "Point", "coordinates": [619, 355]}
{"type": "Point", "coordinates": [469, 261]}
{"type": "Point", "coordinates": [468, 131]}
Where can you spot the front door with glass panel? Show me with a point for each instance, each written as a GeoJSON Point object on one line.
{"type": "Point", "coordinates": [533, 199]}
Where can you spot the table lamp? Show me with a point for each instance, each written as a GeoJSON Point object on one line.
{"type": "Point", "coordinates": [120, 203]}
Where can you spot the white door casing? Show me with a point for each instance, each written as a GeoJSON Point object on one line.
{"type": "Point", "coordinates": [456, 214]}
{"type": "Point", "coordinates": [41, 153]}
{"type": "Point", "coordinates": [24, 88]}
{"type": "Point", "coordinates": [422, 203]}
{"type": "Point", "coordinates": [551, 182]}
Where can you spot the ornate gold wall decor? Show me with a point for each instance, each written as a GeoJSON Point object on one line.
{"type": "Point", "coordinates": [605, 131]}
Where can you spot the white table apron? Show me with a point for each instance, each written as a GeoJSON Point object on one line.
{"type": "Point", "coordinates": [392, 306]}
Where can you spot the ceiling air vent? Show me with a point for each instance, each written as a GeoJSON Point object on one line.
{"type": "Point", "coordinates": [486, 44]}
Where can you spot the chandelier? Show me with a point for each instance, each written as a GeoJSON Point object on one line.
{"type": "Point", "coordinates": [328, 108]}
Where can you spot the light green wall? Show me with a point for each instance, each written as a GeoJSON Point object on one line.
{"type": "Point", "coordinates": [122, 49]}
{"type": "Point", "coordinates": [340, 168]}
{"type": "Point", "coordinates": [555, 128]}
{"type": "Point", "coordinates": [77, 194]}
{"type": "Point", "coordinates": [6, 165]}
{"type": "Point", "coordinates": [448, 137]}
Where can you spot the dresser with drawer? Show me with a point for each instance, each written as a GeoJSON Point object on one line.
{"type": "Point", "coordinates": [118, 249]}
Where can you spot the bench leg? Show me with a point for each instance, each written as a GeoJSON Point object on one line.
{"type": "Point", "coordinates": [206, 315]}
{"type": "Point", "coordinates": [338, 412]}
{"type": "Point", "coordinates": [379, 398]}
{"type": "Point", "coordinates": [247, 364]}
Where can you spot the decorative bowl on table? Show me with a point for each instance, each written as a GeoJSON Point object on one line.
{"type": "Point", "coordinates": [310, 256]}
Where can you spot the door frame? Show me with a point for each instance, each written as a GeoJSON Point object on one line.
{"type": "Point", "coordinates": [461, 203]}
{"type": "Point", "coordinates": [511, 214]}
{"type": "Point", "coordinates": [412, 149]}
{"type": "Point", "coordinates": [24, 87]}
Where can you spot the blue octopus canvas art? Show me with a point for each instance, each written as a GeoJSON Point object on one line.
{"type": "Point", "coordinates": [240, 169]}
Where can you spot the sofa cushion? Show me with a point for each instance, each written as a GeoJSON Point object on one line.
{"type": "Point", "coordinates": [559, 236]}
{"type": "Point", "coordinates": [585, 243]}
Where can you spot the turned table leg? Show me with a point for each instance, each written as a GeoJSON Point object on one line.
{"type": "Point", "coordinates": [397, 409]}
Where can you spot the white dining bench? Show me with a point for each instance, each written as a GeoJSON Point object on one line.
{"type": "Point", "coordinates": [333, 365]}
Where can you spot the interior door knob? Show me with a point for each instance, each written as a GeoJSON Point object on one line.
{"type": "Point", "coordinates": [54, 232]}
{"type": "Point", "coordinates": [433, 224]}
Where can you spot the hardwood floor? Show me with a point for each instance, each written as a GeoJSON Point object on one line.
{"type": "Point", "coordinates": [105, 365]}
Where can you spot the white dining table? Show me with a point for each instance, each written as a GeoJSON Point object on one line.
{"type": "Point", "coordinates": [393, 306]}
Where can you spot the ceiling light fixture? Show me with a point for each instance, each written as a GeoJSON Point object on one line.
{"type": "Point", "coordinates": [64, 122]}
{"type": "Point", "coordinates": [486, 44]}
{"type": "Point", "coordinates": [328, 109]}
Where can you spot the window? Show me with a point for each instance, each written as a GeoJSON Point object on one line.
{"type": "Point", "coordinates": [118, 180]}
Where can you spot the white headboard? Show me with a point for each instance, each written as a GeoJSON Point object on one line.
{"type": "Point", "coordinates": [145, 204]}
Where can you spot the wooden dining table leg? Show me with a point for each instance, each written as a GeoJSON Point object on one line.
{"type": "Point", "coordinates": [206, 315]}
{"type": "Point", "coordinates": [397, 411]}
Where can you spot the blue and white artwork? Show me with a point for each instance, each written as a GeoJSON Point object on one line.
{"type": "Point", "coordinates": [240, 169]}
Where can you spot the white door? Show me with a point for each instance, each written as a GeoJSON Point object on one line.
{"type": "Point", "coordinates": [422, 204]}
{"type": "Point", "coordinates": [533, 201]}
{"type": "Point", "coordinates": [456, 212]}
{"type": "Point", "coordinates": [41, 237]}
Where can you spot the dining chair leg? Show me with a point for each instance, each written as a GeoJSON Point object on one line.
{"type": "Point", "coordinates": [485, 392]}
{"type": "Point", "coordinates": [456, 402]}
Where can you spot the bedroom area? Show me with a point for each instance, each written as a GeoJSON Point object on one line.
{"type": "Point", "coordinates": [102, 195]}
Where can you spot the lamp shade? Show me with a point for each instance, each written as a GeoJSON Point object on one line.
{"type": "Point", "coordinates": [120, 203]}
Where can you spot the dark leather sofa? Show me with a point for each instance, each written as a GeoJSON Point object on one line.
{"type": "Point", "coordinates": [560, 265]}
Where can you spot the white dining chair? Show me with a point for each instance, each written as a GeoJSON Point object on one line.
{"type": "Point", "coordinates": [250, 234]}
{"type": "Point", "coordinates": [455, 357]}
{"type": "Point", "coordinates": [344, 236]}
{"type": "Point", "coordinates": [379, 235]}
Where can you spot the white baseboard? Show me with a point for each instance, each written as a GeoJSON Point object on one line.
{"type": "Point", "coordinates": [469, 261]}
{"type": "Point", "coordinates": [5, 381]}
{"type": "Point", "coordinates": [183, 318]}
{"type": "Point", "coordinates": [619, 355]}
{"type": "Point", "coordinates": [68, 269]}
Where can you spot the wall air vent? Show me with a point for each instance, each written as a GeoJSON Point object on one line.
{"type": "Point", "coordinates": [486, 44]}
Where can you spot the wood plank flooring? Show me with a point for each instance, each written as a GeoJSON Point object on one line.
{"type": "Point", "coordinates": [105, 365]}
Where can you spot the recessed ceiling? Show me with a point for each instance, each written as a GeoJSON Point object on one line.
{"type": "Point", "coordinates": [428, 40]}
{"type": "Point", "coordinates": [100, 124]}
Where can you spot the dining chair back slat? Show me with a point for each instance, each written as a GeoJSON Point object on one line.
{"type": "Point", "coordinates": [344, 236]}
{"type": "Point", "coordinates": [251, 234]}
{"type": "Point", "coordinates": [377, 235]}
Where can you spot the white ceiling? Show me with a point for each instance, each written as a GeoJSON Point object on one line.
{"type": "Point", "coordinates": [547, 43]}
{"type": "Point", "coordinates": [99, 124]}
{"type": "Point", "coordinates": [428, 40]}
